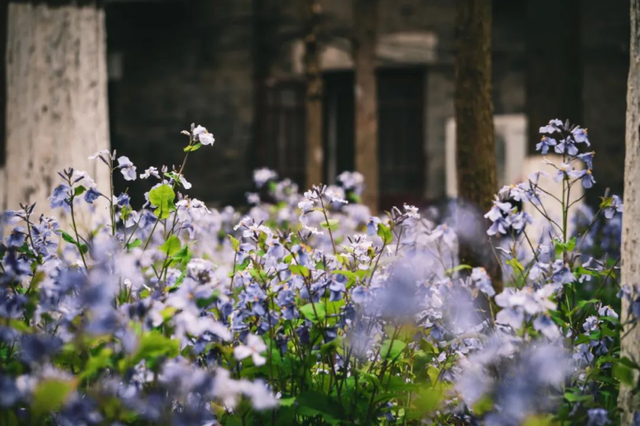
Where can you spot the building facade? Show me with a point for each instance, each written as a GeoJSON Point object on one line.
{"type": "Point", "coordinates": [236, 67]}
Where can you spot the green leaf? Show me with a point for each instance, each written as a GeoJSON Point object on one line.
{"type": "Point", "coordinates": [68, 238]}
{"type": "Point", "coordinates": [332, 224]}
{"type": "Point", "coordinates": [171, 246]}
{"type": "Point", "coordinates": [561, 247]}
{"type": "Point", "coordinates": [391, 350]}
{"type": "Point", "coordinates": [16, 324]}
{"type": "Point", "coordinates": [81, 246]}
{"type": "Point", "coordinates": [97, 362]}
{"type": "Point", "coordinates": [334, 308]}
{"type": "Point", "coordinates": [385, 233]}
{"type": "Point", "coordinates": [235, 244]}
{"type": "Point", "coordinates": [153, 345]}
{"type": "Point", "coordinates": [606, 202]}
{"type": "Point", "coordinates": [458, 268]}
{"type": "Point", "coordinates": [483, 405]}
{"type": "Point", "coordinates": [427, 400]}
{"type": "Point", "coordinates": [623, 373]}
{"type": "Point", "coordinates": [312, 403]}
{"type": "Point", "coordinates": [162, 197]}
{"type": "Point", "coordinates": [572, 397]}
{"type": "Point", "coordinates": [79, 190]}
{"type": "Point", "coordinates": [299, 270]}
{"type": "Point", "coordinates": [49, 395]}
{"type": "Point", "coordinates": [331, 347]}
{"type": "Point", "coordinates": [515, 264]}
{"type": "Point", "coordinates": [629, 363]}
{"type": "Point", "coordinates": [539, 420]}
{"type": "Point", "coordinates": [310, 314]}
{"type": "Point", "coordinates": [135, 243]}
{"type": "Point", "coordinates": [192, 148]}
{"type": "Point", "coordinates": [287, 402]}
{"type": "Point", "coordinates": [183, 256]}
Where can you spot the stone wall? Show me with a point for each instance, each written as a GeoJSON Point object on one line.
{"type": "Point", "coordinates": [194, 61]}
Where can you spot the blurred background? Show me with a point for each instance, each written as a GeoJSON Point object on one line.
{"type": "Point", "coordinates": [239, 68]}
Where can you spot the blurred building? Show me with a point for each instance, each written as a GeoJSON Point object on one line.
{"type": "Point", "coordinates": [235, 66]}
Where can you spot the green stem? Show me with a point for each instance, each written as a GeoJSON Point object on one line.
{"type": "Point", "coordinates": [75, 230]}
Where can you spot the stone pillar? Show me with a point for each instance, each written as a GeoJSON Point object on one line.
{"type": "Point", "coordinates": [57, 112]}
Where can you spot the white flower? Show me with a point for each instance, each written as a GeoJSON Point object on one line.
{"type": "Point", "coordinates": [253, 348]}
{"type": "Point", "coordinates": [336, 195]}
{"type": "Point", "coordinates": [185, 183]}
{"type": "Point", "coordinates": [311, 195]}
{"type": "Point", "coordinates": [305, 205]}
{"type": "Point", "coordinates": [253, 198]}
{"type": "Point", "coordinates": [352, 180]}
{"type": "Point", "coordinates": [191, 209]}
{"type": "Point", "coordinates": [411, 211]}
{"type": "Point", "coordinates": [229, 391]}
{"type": "Point", "coordinates": [127, 168]}
{"type": "Point", "coordinates": [312, 230]}
{"type": "Point", "coordinates": [101, 154]}
{"type": "Point", "coordinates": [262, 176]}
{"type": "Point", "coordinates": [203, 136]}
{"type": "Point", "coordinates": [84, 179]}
{"type": "Point", "coordinates": [412, 215]}
{"type": "Point", "coordinates": [244, 222]}
{"type": "Point", "coordinates": [187, 322]}
{"type": "Point", "coordinates": [151, 171]}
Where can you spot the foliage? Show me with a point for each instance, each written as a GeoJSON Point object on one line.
{"type": "Point", "coordinates": [307, 310]}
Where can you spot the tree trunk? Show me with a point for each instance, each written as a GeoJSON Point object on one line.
{"type": "Point", "coordinates": [56, 97]}
{"type": "Point", "coordinates": [475, 148]}
{"type": "Point", "coordinates": [365, 13]}
{"type": "Point", "coordinates": [630, 344]}
{"type": "Point", "coordinates": [314, 151]}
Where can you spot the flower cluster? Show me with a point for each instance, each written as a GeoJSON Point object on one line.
{"type": "Point", "coordinates": [302, 308]}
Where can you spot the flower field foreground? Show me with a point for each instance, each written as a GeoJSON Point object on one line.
{"type": "Point", "coordinates": [307, 310]}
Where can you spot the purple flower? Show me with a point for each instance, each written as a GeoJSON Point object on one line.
{"type": "Point", "coordinates": [562, 274]}
{"type": "Point", "coordinates": [336, 288]}
{"type": "Point", "coordinates": [91, 195]}
{"type": "Point", "coordinates": [60, 197]}
{"type": "Point", "coordinates": [598, 417]}
{"type": "Point", "coordinates": [17, 237]}
{"type": "Point", "coordinates": [358, 295]}
{"type": "Point", "coordinates": [545, 143]}
{"type": "Point", "coordinates": [587, 158]}
{"type": "Point", "coordinates": [552, 127]}
{"type": "Point", "coordinates": [38, 347]}
{"type": "Point", "coordinates": [127, 168]}
{"type": "Point", "coordinates": [566, 146]}
{"type": "Point", "coordinates": [567, 171]}
{"type": "Point", "coordinates": [587, 179]}
{"type": "Point", "coordinates": [580, 135]}
{"type": "Point", "coordinates": [612, 207]}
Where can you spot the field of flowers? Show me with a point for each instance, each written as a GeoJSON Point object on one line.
{"type": "Point", "coordinates": [305, 309]}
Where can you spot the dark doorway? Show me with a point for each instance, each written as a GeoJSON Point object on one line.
{"type": "Point", "coordinates": [401, 136]}
{"type": "Point", "coordinates": [339, 133]}
{"type": "Point", "coordinates": [285, 129]}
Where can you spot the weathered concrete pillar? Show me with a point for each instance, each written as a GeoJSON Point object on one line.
{"type": "Point", "coordinates": [57, 112]}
